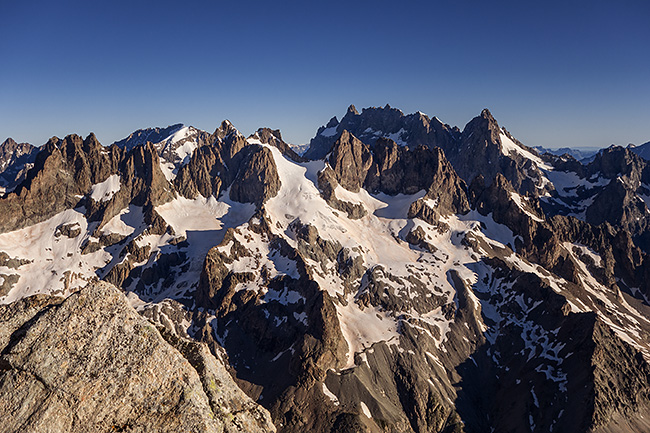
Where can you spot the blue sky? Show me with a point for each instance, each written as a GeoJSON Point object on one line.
{"type": "Point", "coordinates": [575, 73]}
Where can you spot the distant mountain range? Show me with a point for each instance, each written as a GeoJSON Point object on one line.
{"type": "Point", "coordinates": [400, 275]}
{"type": "Point", "coordinates": [642, 150]}
{"type": "Point", "coordinates": [580, 154]}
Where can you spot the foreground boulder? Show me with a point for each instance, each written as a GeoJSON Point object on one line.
{"type": "Point", "coordinates": [90, 362]}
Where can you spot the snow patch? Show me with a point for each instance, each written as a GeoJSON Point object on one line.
{"type": "Point", "coordinates": [203, 222]}
{"type": "Point", "coordinates": [363, 327]}
{"type": "Point", "coordinates": [57, 265]}
{"type": "Point", "coordinates": [105, 190]}
{"type": "Point", "coordinates": [508, 146]}
{"type": "Point", "coordinates": [519, 201]}
{"type": "Point", "coordinates": [365, 410]}
{"type": "Point", "coordinates": [397, 137]}
{"type": "Point", "coordinates": [329, 394]}
{"type": "Point", "coordinates": [126, 222]}
{"type": "Point", "coordinates": [329, 132]}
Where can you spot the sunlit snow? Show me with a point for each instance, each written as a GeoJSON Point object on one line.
{"type": "Point", "coordinates": [104, 191]}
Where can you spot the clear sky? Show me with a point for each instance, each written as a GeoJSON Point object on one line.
{"type": "Point", "coordinates": [570, 73]}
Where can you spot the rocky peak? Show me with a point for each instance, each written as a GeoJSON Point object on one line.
{"type": "Point", "coordinates": [141, 170]}
{"type": "Point", "coordinates": [334, 122]}
{"type": "Point", "coordinates": [621, 180]}
{"type": "Point", "coordinates": [225, 129]}
{"type": "Point", "coordinates": [9, 143]}
{"type": "Point", "coordinates": [350, 159]}
{"type": "Point", "coordinates": [141, 136]}
{"type": "Point", "coordinates": [384, 122]}
{"type": "Point", "coordinates": [643, 150]}
{"type": "Point", "coordinates": [522, 214]}
{"type": "Point", "coordinates": [233, 142]}
{"type": "Point", "coordinates": [204, 174]}
{"type": "Point", "coordinates": [237, 161]}
{"type": "Point", "coordinates": [447, 194]}
{"type": "Point", "coordinates": [15, 160]}
{"type": "Point", "coordinates": [274, 138]}
{"type": "Point", "coordinates": [485, 114]}
{"type": "Point", "coordinates": [485, 149]}
{"type": "Point", "coordinates": [176, 149]}
{"type": "Point", "coordinates": [385, 119]}
{"type": "Point", "coordinates": [482, 136]}
{"type": "Point", "coordinates": [618, 161]}
{"type": "Point", "coordinates": [267, 135]}
{"type": "Point", "coordinates": [257, 179]}
{"type": "Point", "coordinates": [91, 142]}
{"type": "Point", "coordinates": [619, 205]}
{"type": "Point", "coordinates": [485, 127]}
{"type": "Point", "coordinates": [66, 172]}
{"type": "Point", "coordinates": [10, 149]}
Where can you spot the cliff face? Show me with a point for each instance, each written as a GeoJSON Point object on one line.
{"type": "Point", "coordinates": [91, 363]}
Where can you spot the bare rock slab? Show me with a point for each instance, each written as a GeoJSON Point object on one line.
{"type": "Point", "coordinates": [91, 363]}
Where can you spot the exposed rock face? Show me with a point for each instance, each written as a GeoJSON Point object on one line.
{"type": "Point", "coordinates": [213, 166]}
{"type": "Point", "coordinates": [350, 159]}
{"type": "Point", "coordinates": [91, 363]}
{"type": "Point", "coordinates": [619, 202]}
{"type": "Point", "coordinates": [233, 143]}
{"type": "Point", "coordinates": [230, 160]}
{"type": "Point", "coordinates": [618, 161]}
{"type": "Point", "coordinates": [373, 123]}
{"type": "Point", "coordinates": [620, 391]}
{"type": "Point", "coordinates": [257, 179]}
{"type": "Point", "coordinates": [178, 148]}
{"type": "Point", "coordinates": [274, 138]}
{"type": "Point", "coordinates": [15, 160]}
{"type": "Point", "coordinates": [64, 169]}
{"type": "Point", "coordinates": [614, 188]}
{"type": "Point", "coordinates": [594, 376]}
{"type": "Point", "coordinates": [392, 169]}
{"type": "Point", "coordinates": [327, 184]}
{"type": "Point", "coordinates": [477, 150]}
{"type": "Point", "coordinates": [482, 150]}
{"type": "Point", "coordinates": [310, 347]}
{"type": "Point", "coordinates": [203, 174]}
{"type": "Point", "coordinates": [445, 196]}
{"type": "Point", "coordinates": [621, 258]}
{"type": "Point", "coordinates": [620, 206]}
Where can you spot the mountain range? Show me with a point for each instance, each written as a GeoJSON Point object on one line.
{"type": "Point", "coordinates": [400, 275]}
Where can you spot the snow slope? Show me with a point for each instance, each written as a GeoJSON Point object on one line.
{"type": "Point", "coordinates": [56, 264]}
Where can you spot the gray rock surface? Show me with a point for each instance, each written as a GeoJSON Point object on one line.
{"type": "Point", "coordinates": [90, 363]}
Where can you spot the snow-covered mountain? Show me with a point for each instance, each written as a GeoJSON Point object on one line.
{"type": "Point", "coordinates": [175, 144]}
{"type": "Point", "coordinates": [581, 154]}
{"type": "Point", "coordinates": [15, 160]}
{"type": "Point", "coordinates": [403, 276]}
{"type": "Point", "coordinates": [300, 149]}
